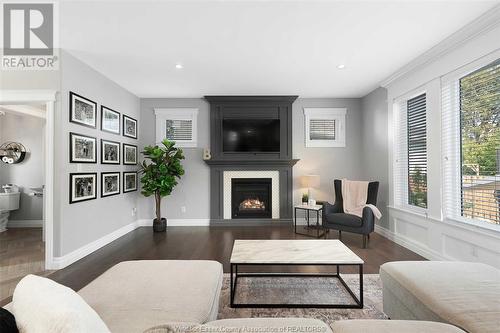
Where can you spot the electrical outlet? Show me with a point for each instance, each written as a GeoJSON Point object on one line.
{"type": "Point", "coordinates": [183, 209]}
{"type": "Point", "coordinates": [134, 211]}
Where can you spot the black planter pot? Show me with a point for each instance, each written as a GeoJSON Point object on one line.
{"type": "Point", "coordinates": [160, 226]}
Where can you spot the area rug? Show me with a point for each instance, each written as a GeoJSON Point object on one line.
{"type": "Point", "coordinates": [301, 290]}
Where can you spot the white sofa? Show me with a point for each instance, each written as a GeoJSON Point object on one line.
{"type": "Point", "coordinates": [162, 296]}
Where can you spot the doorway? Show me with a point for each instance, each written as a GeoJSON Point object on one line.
{"type": "Point", "coordinates": [26, 180]}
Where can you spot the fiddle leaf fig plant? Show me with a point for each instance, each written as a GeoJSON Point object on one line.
{"type": "Point", "coordinates": [160, 170]}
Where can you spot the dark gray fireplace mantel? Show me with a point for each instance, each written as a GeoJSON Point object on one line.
{"type": "Point", "coordinates": [251, 107]}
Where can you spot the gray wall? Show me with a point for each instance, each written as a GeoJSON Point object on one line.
{"type": "Point", "coordinates": [193, 191]}
{"type": "Point", "coordinates": [27, 130]}
{"type": "Point", "coordinates": [81, 223]}
{"type": "Point", "coordinates": [375, 146]}
{"type": "Point", "coordinates": [328, 163]}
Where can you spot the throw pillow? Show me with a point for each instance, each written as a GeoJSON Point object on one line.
{"type": "Point", "coordinates": [42, 305]}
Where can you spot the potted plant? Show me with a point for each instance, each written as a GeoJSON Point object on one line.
{"type": "Point", "coordinates": [305, 198]}
{"type": "Point", "coordinates": [160, 171]}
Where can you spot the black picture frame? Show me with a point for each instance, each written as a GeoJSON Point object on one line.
{"type": "Point", "coordinates": [72, 200]}
{"type": "Point", "coordinates": [124, 122]}
{"type": "Point", "coordinates": [72, 150]}
{"type": "Point", "coordinates": [106, 109]}
{"type": "Point", "coordinates": [124, 150]}
{"type": "Point", "coordinates": [125, 190]}
{"type": "Point", "coordinates": [74, 96]}
{"type": "Point", "coordinates": [104, 174]}
{"type": "Point", "coordinates": [103, 142]}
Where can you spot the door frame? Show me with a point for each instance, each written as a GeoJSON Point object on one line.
{"type": "Point", "coordinates": [49, 98]}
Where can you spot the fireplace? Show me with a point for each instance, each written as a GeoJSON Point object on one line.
{"type": "Point", "coordinates": [251, 198]}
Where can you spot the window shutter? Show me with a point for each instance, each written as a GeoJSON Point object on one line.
{"type": "Point", "coordinates": [471, 142]}
{"type": "Point", "coordinates": [321, 129]}
{"type": "Point", "coordinates": [179, 130]}
{"type": "Point", "coordinates": [417, 151]}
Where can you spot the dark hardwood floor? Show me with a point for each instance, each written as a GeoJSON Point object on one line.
{"type": "Point", "coordinates": [213, 243]}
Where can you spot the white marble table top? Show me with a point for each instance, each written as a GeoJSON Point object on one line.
{"type": "Point", "coordinates": [306, 251]}
{"type": "Point", "coordinates": [310, 207]}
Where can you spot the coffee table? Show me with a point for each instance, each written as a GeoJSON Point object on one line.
{"type": "Point", "coordinates": [318, 252]}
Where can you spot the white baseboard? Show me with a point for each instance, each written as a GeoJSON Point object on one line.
{"type": "Point", "coordinates": [177, 222]}
{"type": "Point", "coordinates": [409, 244]}
{"type": "Point", "coordinates": [68, 259]}
{"type": "Point", "coordinates": [25, 224]}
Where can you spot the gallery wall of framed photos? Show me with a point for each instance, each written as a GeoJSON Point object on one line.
{"type": "Point", "coordinates": [117, 152]}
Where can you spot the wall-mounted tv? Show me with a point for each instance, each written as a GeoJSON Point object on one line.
{"type": "Point", "coordinates": [251, 135]}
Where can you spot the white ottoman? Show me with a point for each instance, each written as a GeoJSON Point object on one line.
{"type": "Point", "coordinates": [392, 326]}
{"type": "Point", "coordinates": [464, 294]}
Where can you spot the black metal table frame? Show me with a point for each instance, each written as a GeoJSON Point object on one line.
{"type": "Point", "coordinates": [317, 227]}
{"type": "Point", "coordinates": [234, 281]}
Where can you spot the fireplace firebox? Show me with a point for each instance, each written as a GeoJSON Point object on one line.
{"type": "Point", "coordinates": [251, 198]}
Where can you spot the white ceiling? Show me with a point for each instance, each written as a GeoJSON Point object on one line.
{"type": "Point", "coordinates": [256, 47]}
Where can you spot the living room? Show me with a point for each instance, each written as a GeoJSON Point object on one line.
{"type": "Point", "coordinates": [328, 164]}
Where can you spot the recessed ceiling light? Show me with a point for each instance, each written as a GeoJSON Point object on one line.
{"type": "Point", "coordinates": [341, 66]}
{"type": "Point", "coordinates": [179, 66]}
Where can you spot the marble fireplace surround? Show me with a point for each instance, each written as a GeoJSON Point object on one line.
{"type": "Point", "coordinates": [275, 194]}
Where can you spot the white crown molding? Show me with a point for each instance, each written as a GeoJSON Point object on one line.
{"type": "Point", "coordinates": [479, 26]}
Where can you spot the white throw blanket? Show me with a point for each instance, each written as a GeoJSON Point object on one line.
{"type": "Point", "coordinates": [355, 194]}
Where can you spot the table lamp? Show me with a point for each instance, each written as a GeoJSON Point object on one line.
{"type": "Point", "coordinates": [311, 182]}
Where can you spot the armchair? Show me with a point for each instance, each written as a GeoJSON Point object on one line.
{"type": "Point", "coordinates": [335, 218]}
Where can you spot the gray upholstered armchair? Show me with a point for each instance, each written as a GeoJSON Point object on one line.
{"type": "Point", "coordinates": [335, 218]}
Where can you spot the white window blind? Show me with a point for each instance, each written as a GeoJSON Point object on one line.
{"type": "Point", "coordinates": [179, 130]}
{"type": "Point", "coordinates": [325, 127]}
{"type": "Point", "coordinates": [322, 129]}
{"type": "Point", "coordinates": [417, 151]}
{"type": "Point", "coordinates": [177, 124]}
{"type": "Point", "coordinates": [471, 145]}
{"type": "Point", "coordinates": [410, 152]}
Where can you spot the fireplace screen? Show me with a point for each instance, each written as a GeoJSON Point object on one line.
{"type": "Point", "coordinates": [251, 198]}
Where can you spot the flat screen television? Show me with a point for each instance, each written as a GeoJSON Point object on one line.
{"type": "Point", "coordinates": [251, 135]}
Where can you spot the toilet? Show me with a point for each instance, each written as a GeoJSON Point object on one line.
{"type": "Point", "coordinates": [9, 200]}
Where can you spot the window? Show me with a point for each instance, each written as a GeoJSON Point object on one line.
{"type": "Point", "coordinates": [471, 106]}
{"type": "Point", "coordinates": [417, 151]}
{"type": "Point", "coordinates": [325, 127]}
{"type": "Point", "coordinates": [179, 125]}
{"type": "Point", "coordinates": [410, 152]}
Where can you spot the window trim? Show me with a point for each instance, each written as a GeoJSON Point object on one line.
{"type": "Point", "coordinates": [453, 142]}
{"type": "Point", "coordinates": [337, 114]}
{"type": "Point", "coordinates": [164, 114]}
{"type": "Point", "coordinates": [404, 204]}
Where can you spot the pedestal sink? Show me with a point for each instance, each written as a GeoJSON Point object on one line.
{"type": "Point", "coordinates": [8, 202]}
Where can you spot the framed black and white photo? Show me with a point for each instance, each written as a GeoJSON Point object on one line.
{"type": "Point", "coordinates": [82, 110]}
{"type": "Point", "coordinates": [110, 184]}
{"type": "Point", "coordinates": [129, 154]}
{"type": "Point", "coordinates": [129, 181]}
{"type": "Point", "coordinates": [129, 127]}
{"type": "Point", "coordinates": [82, 148]}
{"type": "Point", "coordinates": [110, 152]}
{"type": "Point", "coordinates": [110, 120]}
{"type": "Point", "coordinates": [82, 187]}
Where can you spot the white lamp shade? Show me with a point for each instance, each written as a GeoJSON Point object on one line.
{"type": "Point", "coordinates": [310, 181]}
